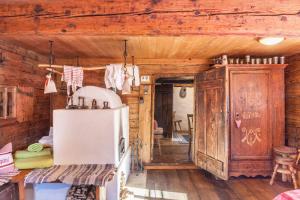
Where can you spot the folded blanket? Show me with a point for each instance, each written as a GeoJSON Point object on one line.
{"type": "Point", "coordinates": [29, 154]}
{"type": "Point", "coordinates": [35, 147]}
{"type": "Point", "coordinates": [5, 178]}
{"type": "Point", "coordinates": [33, 163]}
{"type": "Point", "coordinates": [89, 174]}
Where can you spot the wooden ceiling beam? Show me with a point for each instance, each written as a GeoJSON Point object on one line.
{"type": "Point", "coordinates": [150, 17]}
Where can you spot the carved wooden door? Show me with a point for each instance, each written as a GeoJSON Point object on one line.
{"type": "Point", "coordinates": [251, 136]}
{"type": "Point", "coordinates": [211, 123]}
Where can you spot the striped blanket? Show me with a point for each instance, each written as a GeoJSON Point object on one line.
{"type": "Point", "coordinates": [91, 174]}
{"type": "Point", "coordinates": [5, 178]}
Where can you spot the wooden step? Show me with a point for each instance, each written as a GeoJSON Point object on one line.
{"type": "Point", "coordinates": [169, 166]}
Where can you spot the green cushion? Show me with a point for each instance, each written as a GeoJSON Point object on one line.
{"type": "Point", "coordinates": [28, 154]}
{"type": "Point", "coordinates": [33, 163]}
{"type": "Point", "coordinates": [35, 147]}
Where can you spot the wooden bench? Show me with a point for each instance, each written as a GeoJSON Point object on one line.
{"type": "Point", "coordinates": [19, 180]}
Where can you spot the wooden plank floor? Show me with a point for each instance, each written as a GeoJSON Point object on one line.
{"type": "Point", "coordinates": [199, 185]}
{"type": "Point", "coordinates": [171, 152]}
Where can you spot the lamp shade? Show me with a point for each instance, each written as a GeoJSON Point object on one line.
{"type": "Point", "coordinates": [269, 41]}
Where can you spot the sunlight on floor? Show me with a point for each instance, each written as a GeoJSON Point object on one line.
{"type": "Point", "coordinates": [142, 193]}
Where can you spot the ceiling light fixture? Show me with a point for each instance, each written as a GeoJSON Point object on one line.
{"type": "Point", "coordinates": [269, 41]}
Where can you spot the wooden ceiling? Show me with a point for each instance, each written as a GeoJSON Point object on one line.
{"type": "Point", "coordinates": [167, 47]}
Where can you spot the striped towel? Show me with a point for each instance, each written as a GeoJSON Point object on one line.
{"type": "Point", "coordinates": [77, 76]}
{"type": "Point", "coordinates": [68, 74]}
{"type": "Point", "coordinates": [73, 76]}
{"type": "Point", "coordinates": [91, 174]}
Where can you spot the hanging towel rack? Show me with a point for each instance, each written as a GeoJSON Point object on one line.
{"type": "Point", "coordinates": [62, 66]}
{"type": "Point", "coordinates": [51, 67]}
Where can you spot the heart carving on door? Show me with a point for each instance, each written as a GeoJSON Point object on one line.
{"type": "Point", "coordinates": [238, 123]}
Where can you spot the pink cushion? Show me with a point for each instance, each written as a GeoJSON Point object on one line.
{"type": "Point", "coordinates": [6, 159]}
{"type": "Point", "coordinates": [288, 195]}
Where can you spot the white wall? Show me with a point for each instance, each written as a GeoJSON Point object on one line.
{"type": "Point", "coordinates": [183, 106]}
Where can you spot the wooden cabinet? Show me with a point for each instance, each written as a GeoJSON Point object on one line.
{"type": "Point", "coordinates": [240, 117]}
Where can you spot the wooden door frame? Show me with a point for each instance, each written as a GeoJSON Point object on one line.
{"type": "Point", "coordinates": [154, 79]}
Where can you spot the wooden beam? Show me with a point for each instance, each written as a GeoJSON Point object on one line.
{"type": "Point", "coordinates": [150, 17]}
{"type": "Point", "coordinates": [48, 67]}
{"type": "Point", "coordinates": [148, 66]}
{"type": "Point", "coordinates": [137, 61]}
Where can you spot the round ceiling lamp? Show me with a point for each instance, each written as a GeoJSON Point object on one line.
{"type": "Point", "coordinates": [269, 41]}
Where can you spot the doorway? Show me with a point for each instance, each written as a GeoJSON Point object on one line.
{"type": "Point", "coordinates": [173, 130]}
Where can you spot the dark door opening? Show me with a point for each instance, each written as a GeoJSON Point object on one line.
{"type": "Point", "coordinates": [173, 120]}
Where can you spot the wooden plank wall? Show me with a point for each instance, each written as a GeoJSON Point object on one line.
{"type": "Point", "coordinates": [292, 87]}
{"type": "Point", "coordinates": [32, 120]}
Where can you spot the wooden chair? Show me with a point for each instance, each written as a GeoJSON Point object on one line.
{"type": "Point", "coordinates": [158, 133]}
{"type": "Point", "coordinates": [190, 118]}
{"type": "Point", "coordinates": [298, 157]}
{"type": "Point", "coordinates": [284, 163]}
{"type": "Point", "coordinates": [284, 166]}
{"type": "Point", "coordinates": [176, 124]}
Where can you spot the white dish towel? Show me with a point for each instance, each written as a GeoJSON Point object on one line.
{"type": "Point", "coordinates": [115, 77]}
